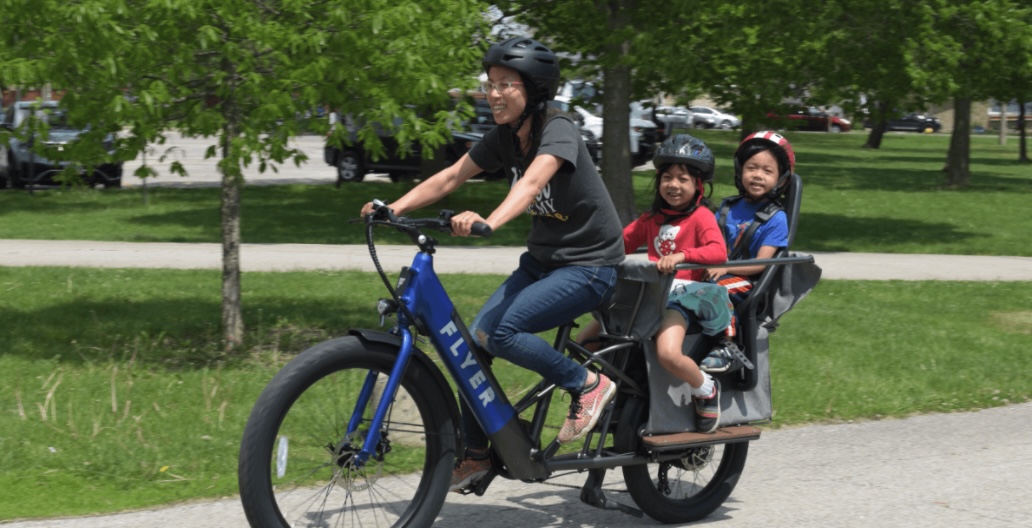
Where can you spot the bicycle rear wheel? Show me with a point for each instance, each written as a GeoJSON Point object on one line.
{"type": "Point", "coordinates": [682, 490]}
{"type": "Point", "coordinates": [297, 465]}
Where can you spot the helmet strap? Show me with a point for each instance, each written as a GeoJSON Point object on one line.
{"type": "Point", "coordinates": [527, 112]}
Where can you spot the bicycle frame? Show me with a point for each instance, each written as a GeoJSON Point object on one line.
{"type": "Point", "coordinates": [426, 305]}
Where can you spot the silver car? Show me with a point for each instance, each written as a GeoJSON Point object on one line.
{"type": "Point", "coordinates": [706, 117]}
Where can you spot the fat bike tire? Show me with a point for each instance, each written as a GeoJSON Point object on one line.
{"type": "Point", "coordinates": [297, 465]}
{"type": "Point", "coordinates": [684, 490]}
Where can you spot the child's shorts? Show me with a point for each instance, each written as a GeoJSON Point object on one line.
{"type": "Point", "coordinates": [704, 303]}
{"type": "Point", "coordinates": [737, 287]}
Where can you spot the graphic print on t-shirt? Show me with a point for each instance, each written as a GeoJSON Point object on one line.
{"type": "Point", "coordinates": [544, 203]}
{"type": "Point", "coordinates": [665, 241]}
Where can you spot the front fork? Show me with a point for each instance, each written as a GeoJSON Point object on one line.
{"type": "Point", "coordinates": [372, 440]}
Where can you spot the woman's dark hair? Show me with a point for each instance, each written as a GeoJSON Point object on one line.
{"type": "Point", "coordinates": [537, 125]}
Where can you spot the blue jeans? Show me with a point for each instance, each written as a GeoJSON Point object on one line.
{"type": "Point", "coordinates": [535, 299]}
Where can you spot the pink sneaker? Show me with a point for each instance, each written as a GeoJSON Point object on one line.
{"type": "Point", "coordinates": [467, 472]}
{"type": "Point", "coordinates": [586, 409]}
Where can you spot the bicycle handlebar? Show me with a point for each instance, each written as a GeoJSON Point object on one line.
{"type": "Point", "coordinates": [441, 223]}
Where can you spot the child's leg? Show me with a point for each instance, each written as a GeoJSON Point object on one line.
{"type": "Point", "coordinates": [727, 356]}
{"type": "Point", "coordinates": [669, 341]}
{"type": "Point", "coordinates": [705, 392]}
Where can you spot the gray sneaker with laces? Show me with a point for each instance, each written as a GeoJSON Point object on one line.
{"type": "Point", "coordinates": [725, 357]}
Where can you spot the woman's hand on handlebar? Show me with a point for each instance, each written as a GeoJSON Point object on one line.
{"type": "Point", "coordinates": [378, 209]}
{"type": "Point", "coordinates": [462, 223]}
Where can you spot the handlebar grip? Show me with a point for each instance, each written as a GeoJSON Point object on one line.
{"type": "Point", "coordinates": [480, 229]}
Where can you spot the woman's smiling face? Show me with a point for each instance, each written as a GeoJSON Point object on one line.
{"type": "Point", "coordinates": [509, 100]}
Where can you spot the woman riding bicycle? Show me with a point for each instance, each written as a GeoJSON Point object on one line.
{"type": "Point", "coordinates": [574, 245]}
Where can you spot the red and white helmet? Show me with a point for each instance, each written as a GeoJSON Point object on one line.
{"type": "Point", "coordinates": [777, 145]}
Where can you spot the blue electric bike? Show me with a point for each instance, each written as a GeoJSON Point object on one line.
{"type": "Point", "coordinates": [363, 430]}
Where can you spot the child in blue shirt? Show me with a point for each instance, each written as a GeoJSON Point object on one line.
{"type": "Point", "coordinates": [754, 226]}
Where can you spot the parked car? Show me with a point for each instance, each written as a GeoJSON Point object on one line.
{"type": "Point", "coordinates": [353, 161]}
{"type": "Point", "coordinates": [19, 165]}
{"type": "Point", "coordinates": [813, 119]}
{"type": "Point", "coordinates": [644, 134]}
{"type": "Point", "coordinates": [671, 117]}
{"type": "Point", "coordinates": [706, 117]}
{"type": "Point", "coordinates": [913, 122]}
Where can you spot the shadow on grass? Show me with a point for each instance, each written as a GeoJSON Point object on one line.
{"type": "Point", "coordinates": [829, 232]}
{"type": "Point", "coordinates": [298, 214]}
{"type": "Point", "coordinates": [175, 333]}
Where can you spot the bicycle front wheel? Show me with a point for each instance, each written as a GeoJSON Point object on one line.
{"type": "Point", "coordinates": [298, 464]}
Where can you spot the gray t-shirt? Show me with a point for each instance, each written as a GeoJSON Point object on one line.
{"type": "Point", "coordinates": [575, 221]}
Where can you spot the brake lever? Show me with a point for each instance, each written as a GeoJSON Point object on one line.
{"type": "Point", "coordinates": [380, 209]}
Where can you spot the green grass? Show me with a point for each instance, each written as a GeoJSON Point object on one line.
{"type": "Point", "coordinates": [116, 395]}
{"type": "Point", "coordinates": [888, 200]}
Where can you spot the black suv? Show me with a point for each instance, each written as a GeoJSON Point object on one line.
{"type": "Point", "coordinates": [20, 165]}
{"type": "Point", "coordinates": [353, 161]}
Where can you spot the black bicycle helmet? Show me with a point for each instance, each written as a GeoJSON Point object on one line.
{"type": "Point", "coordinates": [683, 149]}
{"type": "Point", "coordinates": [777, 145]}
{"type": "Point", "coordinates": [536, 64]}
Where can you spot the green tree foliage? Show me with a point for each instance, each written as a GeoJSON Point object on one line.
{"type": "Point", "coordinates": [757, 55]}
{"type": "Point", "coordinates": [864, 60]}
{"type": "Point", "coordinates": [962, 53]}
{"type": "Point", "coordinates": [748, 56]}
{"type": "Point", "coordinates": [243, 72]}
{"type": "Point", "coordinates": [607, 39]}
{"type": "Point", "coordinates": [1014, 79]}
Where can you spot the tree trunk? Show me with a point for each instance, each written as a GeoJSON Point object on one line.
{"type": "Point", "coordinates": [1003, 124]}
{"type": "Point", "coordinates": [958, 159]}
{"type": "Point", "coordinates": [616, 110]}
{"type": "Point", "coordinates": [1022, 151]}
{"type": "Point", "coordinates": [232, 318]}
{"type": "Point", "coordinates": [874, 139]}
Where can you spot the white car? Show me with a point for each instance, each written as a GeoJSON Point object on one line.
{"type": "Point", "coordinates": [643, 133]}
{"type": "Point", "coordinates": [706, 117]}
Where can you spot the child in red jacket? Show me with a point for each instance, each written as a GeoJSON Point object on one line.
{"type": "Point", "coordinates": [679, 228]}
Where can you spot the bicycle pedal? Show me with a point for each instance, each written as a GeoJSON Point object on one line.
{"type": "Point", "coordinates": [479, 486]}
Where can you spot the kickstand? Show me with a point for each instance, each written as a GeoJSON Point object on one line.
{"type": "Point", "coordinates": [592, 495]}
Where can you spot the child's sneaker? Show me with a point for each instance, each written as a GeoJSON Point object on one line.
{"type": "Point", "coordinates": [707, 410]}
{"type": "Point", "coordinates": [725, 357]}
{"type": "Point", "coordinates": [469, 471]}
{"type": "Point", "coordinates": [586, 408]}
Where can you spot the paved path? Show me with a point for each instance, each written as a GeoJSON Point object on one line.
{"type": "Point", "coordinates": [502, 260]}
{"type": "Point", "coordinates": [942, 470]}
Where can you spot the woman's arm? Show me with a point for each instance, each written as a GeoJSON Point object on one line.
{"type": "Point", "coordinates": [433, 188]}
{"type": "Point", "coordinates": [520, 196]}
